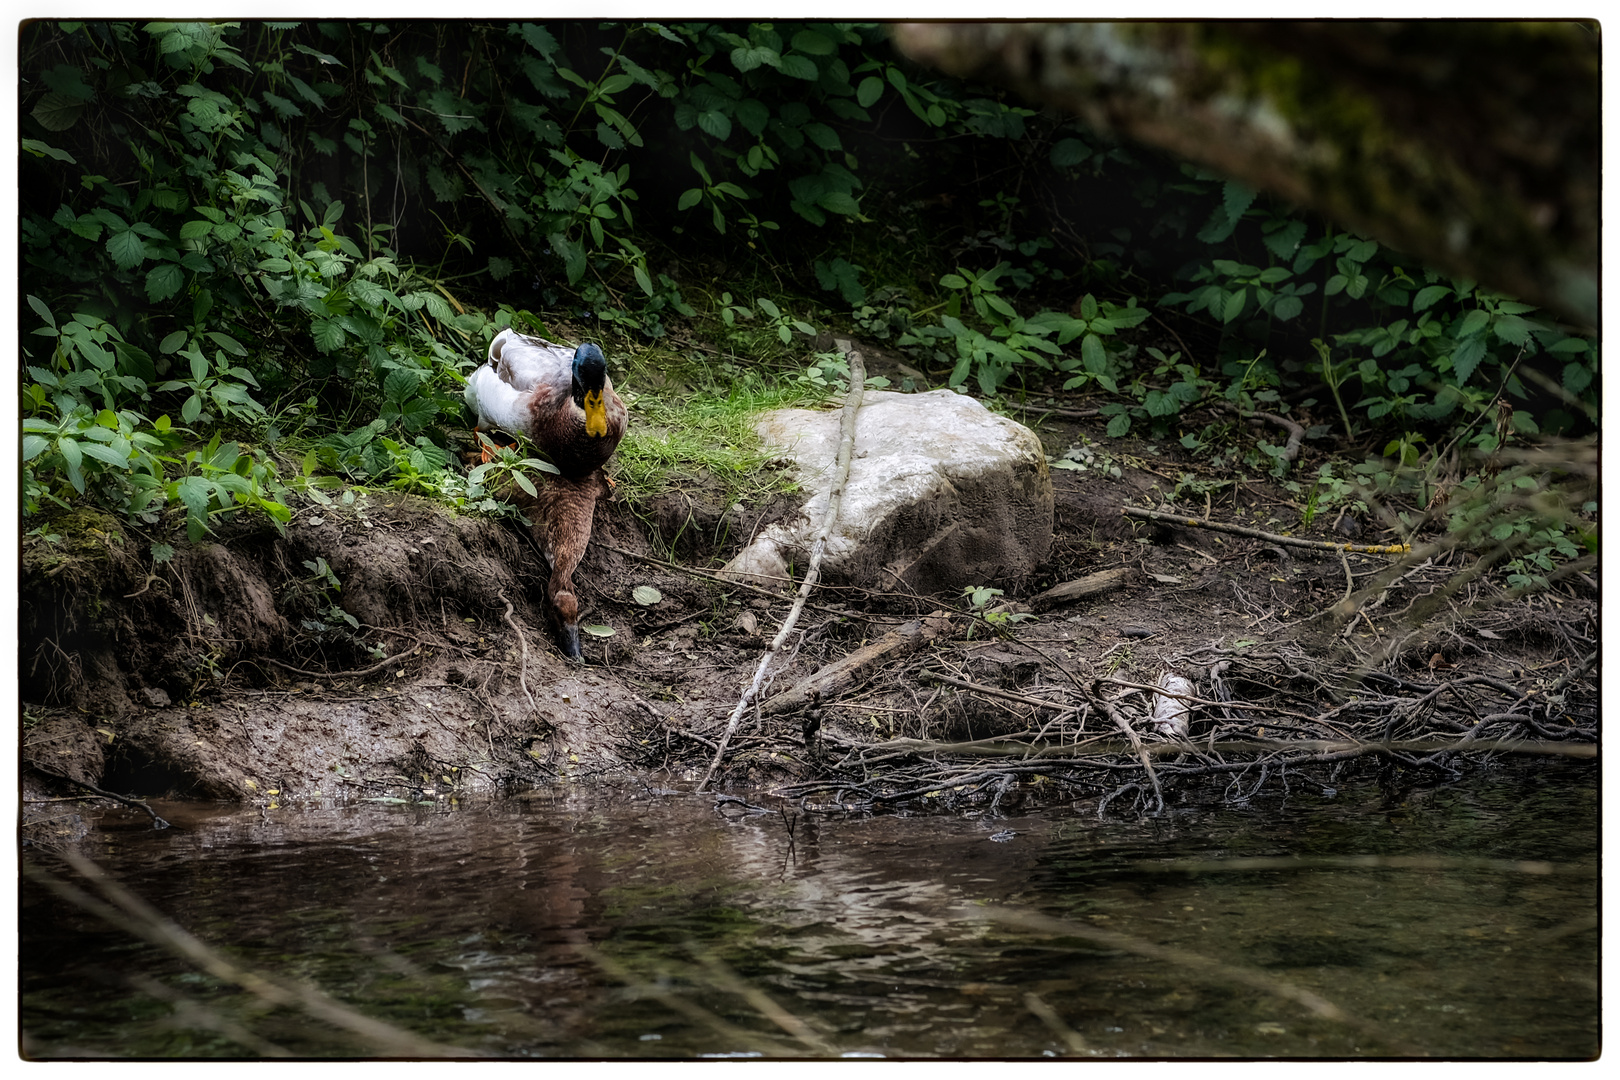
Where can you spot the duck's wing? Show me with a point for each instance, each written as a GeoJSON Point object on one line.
{"type": "Point", "coordinates": [496, 403]}
{"type": "Point", "coordinates": [526, 362]}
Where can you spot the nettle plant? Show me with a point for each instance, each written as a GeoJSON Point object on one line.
{"type": "Point", "coordinates": [1398, 344]}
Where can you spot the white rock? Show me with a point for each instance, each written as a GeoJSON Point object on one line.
{"type": "Point", "coordinates": [942, 493]}
{"type": "Point", "coordinates": [1171, 715]}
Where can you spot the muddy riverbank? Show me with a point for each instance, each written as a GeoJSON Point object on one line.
{"type": "Point", "coordinates": [386, 647]}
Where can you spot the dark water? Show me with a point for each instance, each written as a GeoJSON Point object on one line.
{"type": "Point", "coordinates": [601, 925]}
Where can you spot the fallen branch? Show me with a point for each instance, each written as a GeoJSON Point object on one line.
{"type": "Point", "coordinates": [1136, 744]}
{"type": "Point", "coordinates": [1296, 434]}
{"type": "Point", "coordinates": [841, 674]}
{"type": "Point", "coordinates": [1275, 538]}
{"type": "Point", "coordinates": [1065, 414]}
{"type": "Point", "coordinates": [157, 822]}
{"type": "Point", "coordinates": [835, 498]}
{"type": "Point", "coordinates": [1103, 581]}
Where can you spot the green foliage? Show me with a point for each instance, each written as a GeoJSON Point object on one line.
{"type": "Point", "coordinates": [1418, 345]}
{"type": "Point", "coordinates": [979, 599]}
{"type": "Point", "coordinates": [246, 244]}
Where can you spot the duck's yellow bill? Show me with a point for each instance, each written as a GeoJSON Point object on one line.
{"type": "Point", "coordinates": [595, 414]}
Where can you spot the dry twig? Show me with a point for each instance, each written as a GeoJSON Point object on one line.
{"type": "Point", "coordinates": [1258, 534]}
{"type": "Point", "coordinates": [835, 497]}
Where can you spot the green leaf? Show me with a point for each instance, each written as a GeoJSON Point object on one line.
{"type": "Point", "coordinates": [163, 281]}
{"type": "Point", "coordinates": [1465, 359]}
{"type": "Point", "coordinates": [799, 67]}
{"type": "Point", "coordinates": [1473, 323]}
{"type": "Point", "coordinates": [753, 116]}
{"type": "Point", "coordinates": [539, 39]}
{"type": "Point", "coordinates": [1069, 152]}
{"type": "Point", "coordinates": [328, 333]}
{"type": "Point", "coordinates": [646, 595]}
{"type": "Point", "coordinates": [107, 454]}
{"type": "Point", "coordinates": [50, 320]}
{"type": "Point", "coordinates": [747, 59]}
{"type": "Point", "coordinates": [598, 630]}
{"type": "Point", "coordinates": [127, 249]}
{"type": "Point", "coordinates": [689, 198]}
{"type": "Point", "coordinates": [823, 136]}
{"type": "Point", "coordinates": [814, 43]}
{"type": "Point", "coordinates": [1233, 307]}
{"type": "Point", "coordinates": [1577, 377]}
{"type": "Point", "coordinates": [1511, 329]}
{"type": "Point", "coordinates": [35, 445]}
{"type": "Point", "coordinates": [401, 383]}
{"type": "Point", "coordinates": [1362, 251]}
{"type": "Point", "coordinates": [39, 149]}
{"type": "Point", "coordinates": [1285, 241]}
{"type": "Point", "coordinates": [840, 202]}
{"type": "Point", "coordinates": [57, 111]}
{"type": "Point", "coordinates": [870, 90]}
{"type": "Point", "coordinates": [1236, 198]}
{"type": "Point", "coordinates": [1427, 297]}
{"type": "Point", "coordinates": [1093, 355]}
{"type": "Point", "coordinates": [69, 449]}
{"type": "Point", "coordinates": [715, 124]}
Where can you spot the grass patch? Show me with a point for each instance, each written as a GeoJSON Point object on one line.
{"type": "Point", "coordinates": [694, 418]}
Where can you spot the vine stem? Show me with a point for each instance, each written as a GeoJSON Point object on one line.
{"type": "Point", "coordinates": [846, 451]}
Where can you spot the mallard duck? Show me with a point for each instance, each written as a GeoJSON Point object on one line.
{"type": "Point", "coordinates": [564, 402]}
{"type": "Point", "coordinates": [563, 512]}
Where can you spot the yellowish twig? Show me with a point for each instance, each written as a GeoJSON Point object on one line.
{"type": "Point", "coordinates": [835, 497]}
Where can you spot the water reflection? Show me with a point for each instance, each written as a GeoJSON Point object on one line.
{"type": "Point", "coordinates": [607, 925]}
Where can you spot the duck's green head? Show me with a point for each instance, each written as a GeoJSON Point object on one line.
{"type": "Point", "coordinates": [590, 377]}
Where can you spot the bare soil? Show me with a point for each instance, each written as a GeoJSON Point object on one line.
{"type": "Point", "coordinates": [230, 672]}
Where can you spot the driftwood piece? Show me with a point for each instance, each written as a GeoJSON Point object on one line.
{"type": "Point", "coordinates": [1103, 581]}
{"type": "Point", "coordinates": [840, 675]}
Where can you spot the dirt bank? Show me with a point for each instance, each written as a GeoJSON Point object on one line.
{"type": "Point", "coordinates": [387, 648]}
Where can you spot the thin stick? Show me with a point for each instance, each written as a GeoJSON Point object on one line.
{"type": "Point", "coordinates": [1319, 545]}
{"type": "Point", "coordinates": [1063, 708]}
{"type": "Point", "coordinates": [344, 674]}
{"type": "Point", "coordinates": [157, 822]}
{"type": "Point", "coordinates": [523, 663]}
{"type": "Point", "coordinates": [846, 451]}
{"type": "Point", "coordinates": [1136, 744]}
